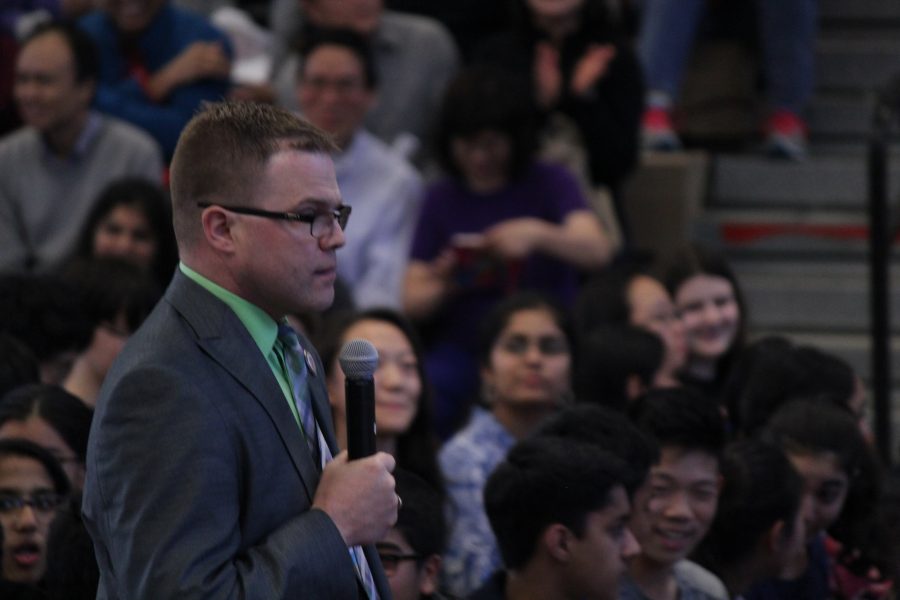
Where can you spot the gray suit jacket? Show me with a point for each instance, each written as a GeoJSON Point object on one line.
{"type": "Point", "coordinates": [199, 483]}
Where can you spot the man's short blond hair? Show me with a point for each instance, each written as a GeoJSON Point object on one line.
{"type": "Point", "coordinates": [222, 152]}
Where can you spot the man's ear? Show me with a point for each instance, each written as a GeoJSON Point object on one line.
{"type": "Point", "coordinates": [86, 89]}
{"type": "Point", "coordinates": [217, 229]}
{"type": "Point", "coordinates": [775, 541]}
{"type": "Point", "coordinates": [372, 94]}
{"type": "Point", "coordinates": [428, 575]}
{"type": "Point", "coordinates": [556, 541]}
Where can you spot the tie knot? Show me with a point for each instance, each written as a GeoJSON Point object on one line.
{"type": "Point", "coordinates": [288, 336]}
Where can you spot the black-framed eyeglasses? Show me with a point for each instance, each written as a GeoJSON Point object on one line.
{"type": "Point", "coordinates": [391, 561]}
{"type": "Point", "coordinates": [392, 555]}
{"type": "Point", "coordinates": [321, 223]}
{"type": "Point", "coordinates": [42, 502]}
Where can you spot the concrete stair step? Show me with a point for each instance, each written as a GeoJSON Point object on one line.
{"type": "Point", "coordinates": [822, 182]}
{"type": "Point", "coordinates": [867, 63]}
{"type": "Point", "coordinates": [859, 10]}
{"type": "Point", "coordinates": [813, 297]}
{"type": "Point", "coordinates": [841, 116]}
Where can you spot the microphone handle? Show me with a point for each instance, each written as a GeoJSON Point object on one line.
{"type": "Point", "coordinates": [360, 400]}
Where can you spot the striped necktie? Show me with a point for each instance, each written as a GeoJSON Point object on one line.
{"type": "Point", "coordinates": [295, 362]}
{"type": "Point", "coordinates": [295, 358]}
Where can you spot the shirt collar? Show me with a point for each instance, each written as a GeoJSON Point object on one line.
{"type": "Point", "coordinates": [262, 328]}
{"type": "Point", "coordinates": [86, 138]}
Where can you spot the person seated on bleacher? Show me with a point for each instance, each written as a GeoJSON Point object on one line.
{"type": "Point", "coordinates": [787, 36]}
{"type": "Point", "coordinates": [32, 487]}
{"type": "Point", "coordinates": [132, 220]}
{"type": "Point", "coordinates": [709, 302]}
{"type": "Point", "coordinates": [577, 64]}
{"type": "Point", "coordinates": [52, 170]}
{"type": "Point", "coordinates": [336, 87]}
{"type": "Point", "coordinates": [45, 313]}
{"type": "Point", "coordinates": [158, 63]}
{"type": "Point", "coordinates": [759, 522]}
{"type": "Point", "coordinates": [625, 296]}
{"type": "Point", "coordinates": [500, 221]}
{"type": "Point", "coordinates": [525, 360]}
{"type": "Point", "coordinates": [559, 509]}
{"type": "Point", "coordinates": [53, 419]}
{"type": "Point", "coordinates": [411, 551]}
{"type": "Point", "coordinates": [675, 508]}
{"type": "Point", "coordinates": [414, 59]}
{"type": "Point", "coordinates": [117, 296]}
{"type": "Point", "coordinates": [773, 371]}
{"type": "Point", "coordinates": [844, 555]}
{"type": "Point", "coordinates": [616, 364]}
{"type": "Point", "coordinates": [403, 412]}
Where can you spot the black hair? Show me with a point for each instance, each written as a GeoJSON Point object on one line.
{"type": "Point", "coordinates": [18, 365]}
{"type": "Point", "coordinates": [65, 413]}
{"type": "Point", "coordinates": [608, 356]}
{"type": "Point", "coordinates": [772, 371]}
{"type": "Point", "coordinates": [501, 313]}
{"type": "Point", "coordinates": [84, 51]}
{"type": "Point", "coordinates": [808, 427]}
{"type": "Point", "coordinates": [110, 287]}
{"type": "Point", "coordinates": [604, 300]}
{"type": "Point", "coordinates": [486, 98]}
{"type": "Point", "coordinates": [679, 417]}
{"type": "Point", "coordinates": [825, 373]}
{"type": "Point", "coordinates": [889, 519]}
{"type": "Point", "coordinates": [72, 572]}
{"type": "Point", "coordinates": [760, 488]}
{"type": "Point", "coordinates": [610, 431]}
{"type": "Point", "coordinates": [757, 383]}
{"type": "Point", "coordinates": [44, 313]}
{"type": "Point", "coordinates": [153, 203]}
{"type": "Point", "coordinates": [594, 19]}
{"type": "Point", "coordinates": [356, 43]}
{"type": "Point", "coordinates": [23, 448]}
{"type": "Point", "coordinates": [693, 260]}
{"type": "Point", "coordinates": [417, 446]}
{"type": "Point", "coordinates": [421, 517]}
{"type": "Point", "coordinates": [546, 480]}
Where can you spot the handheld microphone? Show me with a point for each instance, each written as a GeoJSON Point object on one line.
{"type": "Point", "coordinates": [358, 359]}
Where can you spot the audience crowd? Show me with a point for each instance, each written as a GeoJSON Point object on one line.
{"type": "Point", "coordinates": [569, 420]}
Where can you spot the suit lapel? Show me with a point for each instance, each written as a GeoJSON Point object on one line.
{"type": "Point", "coordinates": [222, 336]}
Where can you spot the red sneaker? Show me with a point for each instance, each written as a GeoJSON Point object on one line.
{"type": "Point", "coordinates": [786, 136]}
{"type": "Point", "coordinates": [657, 131]}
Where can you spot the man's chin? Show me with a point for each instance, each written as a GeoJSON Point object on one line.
{"type": "Point", "coordinates": [322, 301]}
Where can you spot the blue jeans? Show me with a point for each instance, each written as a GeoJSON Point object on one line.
{"type": "Point", "coordinates": [788, 33]}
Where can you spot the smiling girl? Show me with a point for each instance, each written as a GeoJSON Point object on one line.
{"type": "Point", "coordinates": [708, 300]}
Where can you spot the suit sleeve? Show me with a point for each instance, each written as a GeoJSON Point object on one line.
{"type": "Point", "coordinates": [164, 498]}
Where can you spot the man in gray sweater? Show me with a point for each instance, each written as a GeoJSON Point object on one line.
{"type": "Point", "coordinates": [53, 169]}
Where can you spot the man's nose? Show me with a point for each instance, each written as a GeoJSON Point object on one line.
{"type": "Point", "coordinates": [334, 238]}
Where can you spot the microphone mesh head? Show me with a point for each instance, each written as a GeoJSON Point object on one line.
{"type": "Point", "coordinates": [358, 359]}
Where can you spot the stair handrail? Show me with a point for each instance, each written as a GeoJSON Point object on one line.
{"type": "Point", "coordinates": [882, 229]}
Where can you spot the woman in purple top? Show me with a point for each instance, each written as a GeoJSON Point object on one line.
{"type": "Point", "coordinates": [500, 222]}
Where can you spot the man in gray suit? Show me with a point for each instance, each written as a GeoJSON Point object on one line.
{"type": "Point", "coordinates": [203, 481]}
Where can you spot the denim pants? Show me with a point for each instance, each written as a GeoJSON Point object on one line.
{"type": "Point", "coordinates": [787, 35]}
